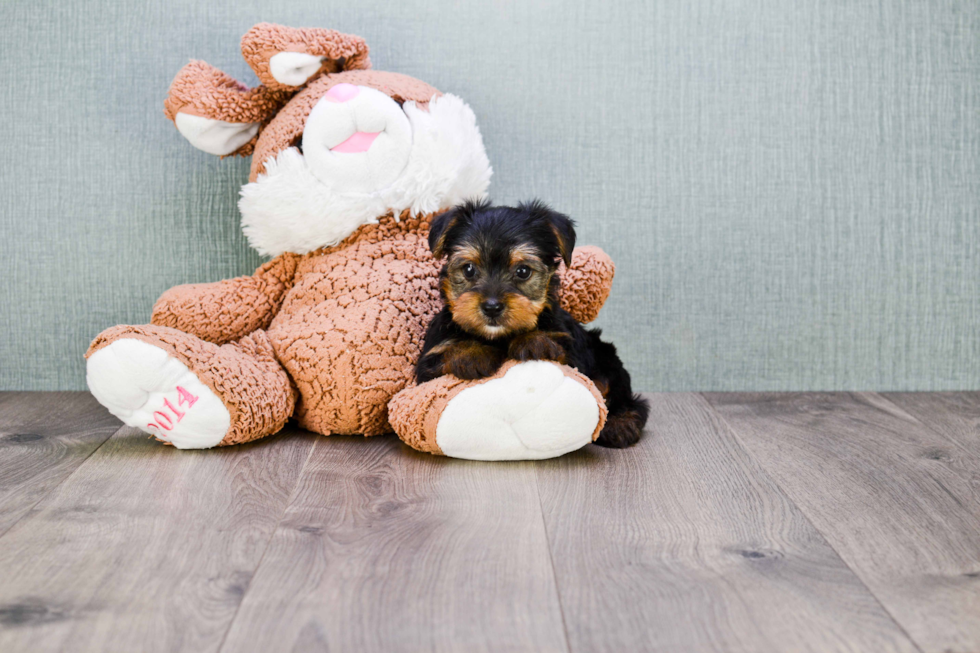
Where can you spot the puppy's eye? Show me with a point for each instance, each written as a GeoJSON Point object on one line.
{"type": "Point", "coordinates": [469, 270]}
{"type": "Point", "coordinates": [523, 272]}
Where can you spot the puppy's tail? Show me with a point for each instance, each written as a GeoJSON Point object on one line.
{"type": "Point", "coordinates": [624, 425]}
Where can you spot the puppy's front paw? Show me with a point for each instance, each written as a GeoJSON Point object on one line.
{"type": "Point", "coordinates": [536, 346]}
{"type": "Point", "coordinates": [472, 360]}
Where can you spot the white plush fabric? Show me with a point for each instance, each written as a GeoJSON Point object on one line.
{"type": "Point", "coordinates": [288, 209]}
{"type": "Point", "coordinates": [215, 136]}
{"type": "Point", "coordinates": [294, 68]}
{"type": "Point", "coordinates": [132, 378]}
{"type": "Point", "coordinates": [532, 412]}
{"type": "Point", "coordinates": [331, 123]}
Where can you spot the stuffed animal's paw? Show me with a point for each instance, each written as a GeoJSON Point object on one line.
{"type": "Point", "coordinates": [148, 389]}
{"type": "Point", "coordinates": [533, 411]}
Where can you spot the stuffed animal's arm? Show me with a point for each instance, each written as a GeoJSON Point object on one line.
{"type": "Point", "coordinates": [227, 310]}
{"type": "Point", "coordinates": [586, 284]}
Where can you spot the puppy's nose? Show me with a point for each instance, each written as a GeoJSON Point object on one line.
{"type": "Point", "coordinates": [342, 93]}
{"type": "Point", "coordinates": [492, 307]}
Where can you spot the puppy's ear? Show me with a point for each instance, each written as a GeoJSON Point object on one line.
{"type": "Point", "coordinates": [564, 230]}
{"type": "Point", "coordinates": [442, 225]}
{"type": "Point", "coordinates": [560, 224]}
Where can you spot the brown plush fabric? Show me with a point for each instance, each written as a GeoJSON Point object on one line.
{"type": "Point", "coordinates": [331, 336]}
{"type": "Point", "coordinates": [586, 286]}
{"type": "Point", "coordinates": [227, 310]}
{"type": "Point", "coordinates": [342, 51]}
{"type": "Point", "coordinates": [414, 412]}
{"type": "Point", "coordinates": [351, 329]}
{"type": "Point", "coordinates": [200, 89]}
{"type": "Point", "coordinates": [245, 375]}
{"type": "Point", "coordinates": [286, 128]}
{"type": "Point", "coordinates": [345, 324]}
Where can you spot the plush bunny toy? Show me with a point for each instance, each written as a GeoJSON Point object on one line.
{"type": "Point", "coordinates": [349, 165]}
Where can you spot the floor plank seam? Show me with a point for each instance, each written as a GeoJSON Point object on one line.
{"type": "Point", "coordinates": [44, 496]}
{"type": "Point", "coordinates": [551, 561]}
{"type": "Point", "coordinates": [929, 427]}
{"type": "Point", "coordinates": [809, 519]}
{"type": "Point", "coordinates": [272, 535]}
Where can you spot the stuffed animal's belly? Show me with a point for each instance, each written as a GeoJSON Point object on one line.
{"type": "Point", "coordinates": [351, 328]}
{"type": "Point", "coordinates": [348, 361]}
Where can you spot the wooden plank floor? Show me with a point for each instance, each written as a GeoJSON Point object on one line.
{"type": "Point", "coordinates": [747, 522]}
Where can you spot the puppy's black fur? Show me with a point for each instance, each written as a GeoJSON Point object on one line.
{"type": "Point", "coordinates": [501, 295]}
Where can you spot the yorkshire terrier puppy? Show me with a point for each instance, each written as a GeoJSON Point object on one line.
{"type": "Point", "coordinates": [501, 295]}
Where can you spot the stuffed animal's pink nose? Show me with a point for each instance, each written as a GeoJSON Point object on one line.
{"type": "Point", "coordinates": [342, 93]}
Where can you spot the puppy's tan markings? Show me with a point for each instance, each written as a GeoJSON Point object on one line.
{"type": "Point", "coordinates": [467, 253]}
{"type": "Point", "coordinates": [439, 247]}
{"type": "Point", "coordinates": [442, 347]}
{"type": "Point", "coordinates": [447, 291]}
{"type": "Point", "coordinates": [467, 314]}
{"type": "Point", "coordinates": [538, 346]}
{"type": "Point", "coordinates": [564, 246]}
{"type": "Point", "coordinates": [522, 313]}
{"type": "Point", "coordinates": [454, 284]}
{"type": "Point", "coordinates": [602, 386]}
{"type": "Point", "coordinates": [470, 360]}
{"type": "Point", "coordinates": [524, 254]}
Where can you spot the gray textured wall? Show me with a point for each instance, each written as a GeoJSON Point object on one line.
{"type": "Point", "coordinates": [790, 188]}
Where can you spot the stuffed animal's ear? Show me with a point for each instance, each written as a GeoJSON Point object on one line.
{"type": "Point", "coordinates": [287, 57]}
{"type": "Point", "coordinates": [560, 224]}
{"type": "Point", "coordinates": [218, 114]}
{"type": "Point", "coordinates": [443, 224]}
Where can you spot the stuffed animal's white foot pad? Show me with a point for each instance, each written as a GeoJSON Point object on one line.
{"type": "Point", "coordinates": [148, 389]}
{"type": "Point", "coordinates": [532, 412]}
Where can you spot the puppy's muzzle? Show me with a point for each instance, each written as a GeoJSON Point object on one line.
{"type": "Point", "coordinates": [492, 307]}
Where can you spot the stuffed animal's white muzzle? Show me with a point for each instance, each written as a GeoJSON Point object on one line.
{"type": "Point", "coordinates": [356, 139]}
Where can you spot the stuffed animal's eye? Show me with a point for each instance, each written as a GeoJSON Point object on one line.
{"type": "Point", "coordinates": [523, 272]}
{"type": "Point", "coordinates": [469, 270]}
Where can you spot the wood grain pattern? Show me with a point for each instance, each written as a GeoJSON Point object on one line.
{"type": "Point", "coordinates": [956, 415]}
{"type": "Point", "coordinates": [816, 522]}
{"type": "Point", "coordinates": [898, 501]}
{"type": "Point", "coordinates": [387, 549]}
{"type": "Point", "coordinates": [144, 547]}
{"type": "Point", "coordinates": [684, 543]}
{"type": "Point", "coordinates": [43, 439]}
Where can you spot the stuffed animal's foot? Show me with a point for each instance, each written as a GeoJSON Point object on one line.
{"type": "Point", "coordinates": [526, 411]}
{"type": "Point", "coordinates": [189, 392]}
{"type": "Point", "coordinates": [149, 389]}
